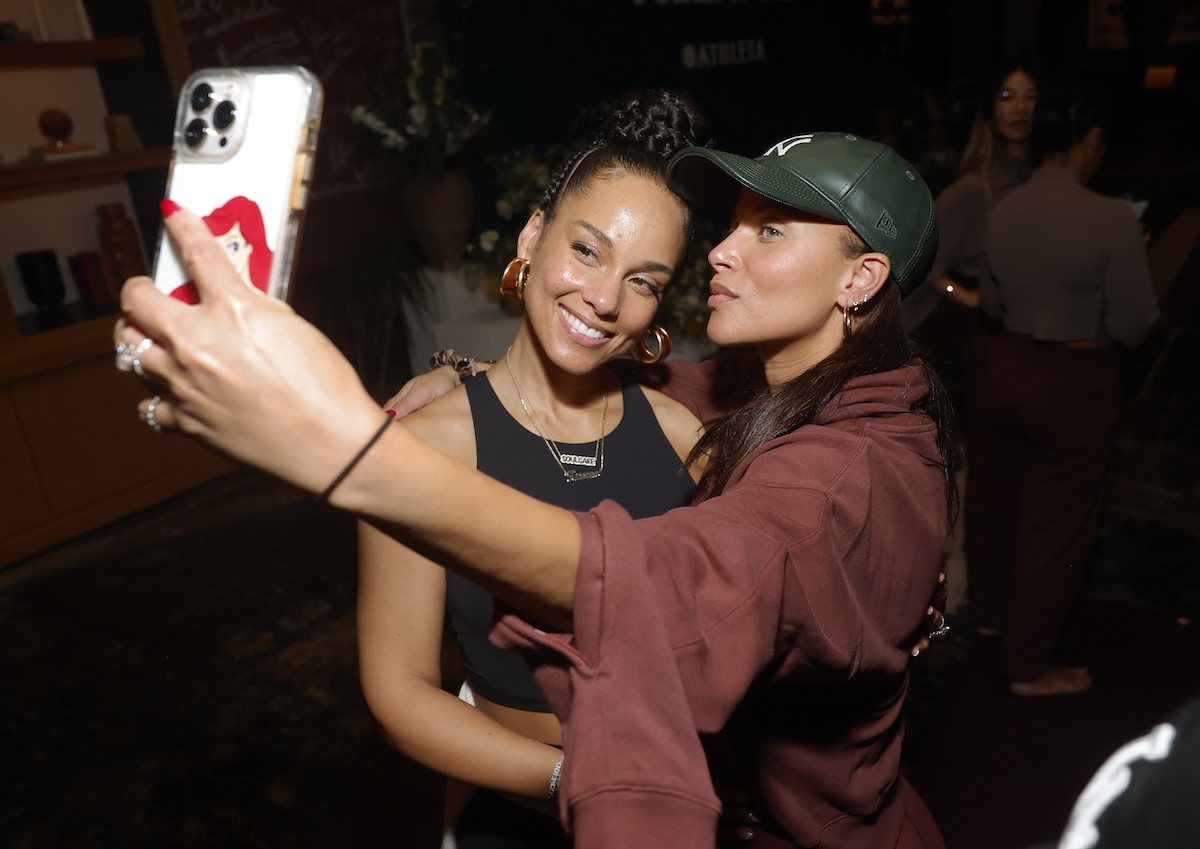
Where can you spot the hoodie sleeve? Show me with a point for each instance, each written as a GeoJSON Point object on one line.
{"type": "Point", "coordinates": [669, 636]}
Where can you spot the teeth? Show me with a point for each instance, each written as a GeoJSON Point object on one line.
{"type": "Point", "coordinates": [581, 327]}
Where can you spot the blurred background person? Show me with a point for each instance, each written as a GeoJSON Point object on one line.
{"type": "Point", "coordinates": [1066, 284]}
{"type": "Point", "coordinates": [941, 314]}
{"type": "Point", "coordinates": [995, 161]}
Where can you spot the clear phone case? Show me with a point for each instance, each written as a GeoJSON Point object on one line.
{"type": "Point", "coordinates": [242, 158]}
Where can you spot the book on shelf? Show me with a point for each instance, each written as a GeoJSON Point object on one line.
{"type": "Point", "coordinates": [94, 292]}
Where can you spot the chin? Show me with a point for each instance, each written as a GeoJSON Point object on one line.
{"type": "Point", "coordinates": [718, 333]}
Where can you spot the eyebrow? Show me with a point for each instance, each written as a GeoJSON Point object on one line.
{"type": "Point", "coordinates": [603, 238]}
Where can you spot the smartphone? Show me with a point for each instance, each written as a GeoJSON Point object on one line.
{"type": "Point", "coordinates": [242, 158]}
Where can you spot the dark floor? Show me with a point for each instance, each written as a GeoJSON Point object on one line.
{"type": "Point", "coordinates": [187, 677]}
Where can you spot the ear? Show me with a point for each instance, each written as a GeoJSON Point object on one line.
{"type": "Point", "coordinates": [867, 275]}
{"type": "Point", "coordinates": [530, 232]}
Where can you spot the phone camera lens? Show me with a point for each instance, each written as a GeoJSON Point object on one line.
{"type": "Point", "coordinates": [202, 97]}
{"type": "Point", "coordinates": [195, 132]}
{"type": "Point", "coordinates": [225, 112]}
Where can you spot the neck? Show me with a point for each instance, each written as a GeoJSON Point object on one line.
{"type": "Point", "coordinates": [784, 362]}
{"type": "Point", "coordinates": [550, 387]}
{"type": "Point", "coordinates": [1018, 150]}
{"type": "Point", "coordinates": [1070, 161]}
{"type": "Point", "coordinates": [568, 407]}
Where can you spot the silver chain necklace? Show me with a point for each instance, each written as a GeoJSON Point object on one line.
{"type": "Point", "coordinates": [595, 464]}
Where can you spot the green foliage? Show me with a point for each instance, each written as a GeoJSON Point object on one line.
{"type": "Point", "coordinates": [520, 178]}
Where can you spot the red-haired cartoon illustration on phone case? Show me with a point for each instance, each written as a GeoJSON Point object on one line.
{"type": "Point", "coordinates": [239, 227]}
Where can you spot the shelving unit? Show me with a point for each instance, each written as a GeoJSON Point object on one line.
{"type": "Point", "coordinates": [38, 177]}
{"type": "Point", "coordinates": [73, 452]}
{"type": "Point", "coordinates": [31, 53]}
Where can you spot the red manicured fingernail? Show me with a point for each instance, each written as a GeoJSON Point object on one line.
{"type": "Point", "coordinates": [168, 207]}
{"type": "Point", "coordinates": [391, 413]}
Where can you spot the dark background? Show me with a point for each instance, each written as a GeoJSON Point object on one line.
{"type": "Point", "coordinates": [903, 73]}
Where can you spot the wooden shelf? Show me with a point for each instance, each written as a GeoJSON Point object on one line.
{"type": "Point", "coordinates": [65, 473]}
{"type": "Point", "coordinates": [53, 349]}
{"type": "Point", "coordinates": [23, 176]}
{"type": "Point", "coordinates": [28, 53]}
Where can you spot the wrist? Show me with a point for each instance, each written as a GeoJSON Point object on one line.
{"type": "Point", "coordinates": [555, 777]}
{"type": "Point", "coordinates": [463, 367]}
{"type": "Point", "coordinates": [348, 468]}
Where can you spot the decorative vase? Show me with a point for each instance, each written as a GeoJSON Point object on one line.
{"type": "Point", "coordinates": [120, 250]}
{"type": "Point", "coordinates": [440, 211]}
{"type": "Point", "coordinates": [41, 277]}
{"type": "Point", "coordinates": [43, 284]}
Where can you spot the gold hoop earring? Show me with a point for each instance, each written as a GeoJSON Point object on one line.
{"type": "Point", "coordinates": [847, 327]}
{"type": "Point", "coordinates": [516, 275]}
{"type": "Point", "coordinates": [664, 346]}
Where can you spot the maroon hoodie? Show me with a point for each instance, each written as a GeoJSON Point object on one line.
{"type": "Point", "coordinates": [780, 613]}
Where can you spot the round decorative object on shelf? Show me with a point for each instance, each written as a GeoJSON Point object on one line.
{"type": "Point", "coordinates": [439, 212]}
{"type": "Point", "coordinates": [56, 125]}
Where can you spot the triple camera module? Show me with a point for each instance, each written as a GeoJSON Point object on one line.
{"type": "Point", "coordinates": [223, 116]}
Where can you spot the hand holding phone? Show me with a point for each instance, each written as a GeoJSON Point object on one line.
{"type": "Point", "coordinates": [242, 159]}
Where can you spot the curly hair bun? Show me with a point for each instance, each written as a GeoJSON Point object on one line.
{"type": "Point", "coordinates": [659, 121]}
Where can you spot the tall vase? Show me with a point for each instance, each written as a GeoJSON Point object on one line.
{"type": "Point", "coordinates": [440, 211]}
{"type": "Point", "coordinates": [120, 250]}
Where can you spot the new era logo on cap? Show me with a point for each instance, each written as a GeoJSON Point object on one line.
{"type": "Point", "coordinates": [781, 148]}
{"type": "Point", "coordinates": [886, 225]}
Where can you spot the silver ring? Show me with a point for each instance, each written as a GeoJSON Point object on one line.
{"type": "Point", "coordinates": [149, 417]}
{"type": "Point", "coordinates": [942, 630]}
{"type": "Point", "coordinates": [138, 353]}
{"type": "Point", "coordinates": [124, 358]}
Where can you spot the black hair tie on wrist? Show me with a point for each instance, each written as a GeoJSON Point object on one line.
{"type": "Point", "coordinates": [353, 462]}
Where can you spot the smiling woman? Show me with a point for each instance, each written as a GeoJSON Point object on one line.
{"type": "Point", "coordinates": [593, 262]}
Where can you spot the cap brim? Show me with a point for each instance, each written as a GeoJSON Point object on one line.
{"type": "Point", "coordinates": [714, 180]}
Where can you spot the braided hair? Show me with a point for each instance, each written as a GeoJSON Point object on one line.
{"type": "Point", "coordinates": [640, 135]}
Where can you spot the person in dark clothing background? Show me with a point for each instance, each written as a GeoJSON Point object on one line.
{"type": "Point", "coordinates": [1067, 285]}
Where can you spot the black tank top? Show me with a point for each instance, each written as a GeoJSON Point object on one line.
{"type": "Point", "coordinates": [642, 473]}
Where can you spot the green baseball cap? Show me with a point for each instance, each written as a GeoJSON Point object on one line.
{"type": "Point", "coordinates": [839, 176]}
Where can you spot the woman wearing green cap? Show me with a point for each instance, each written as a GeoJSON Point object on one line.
{"type": "Point", "coordinates": [770, 622]}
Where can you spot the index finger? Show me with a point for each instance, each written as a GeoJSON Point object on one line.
{"type": "Point", "coordinates": [204, 259]}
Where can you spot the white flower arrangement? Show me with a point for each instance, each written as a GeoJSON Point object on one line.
{"type": "Point", "coordinates": [430, 127]}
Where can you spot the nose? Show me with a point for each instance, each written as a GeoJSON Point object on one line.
{"type": "Point", "coordinates": [724, 253]}
{"type": "Point", "coordinates": [603, 294]}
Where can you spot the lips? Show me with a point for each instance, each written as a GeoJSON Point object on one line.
{"type": "Point", "coordinates": [720, 295]}
{"type": "Point", "coordinates": [580, 327]}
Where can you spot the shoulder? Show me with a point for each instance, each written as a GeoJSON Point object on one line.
{"type": "Point", "coordinates": [966, 190]}
{"type": "Point", "coordinates": [671, 415]}
{"type": "Point", "coordinates": [1116, 211]}
{"type": "Point", "coordinates": [678, 423]}
{"type": "Point", "coordinates": [446, 425]}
